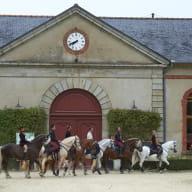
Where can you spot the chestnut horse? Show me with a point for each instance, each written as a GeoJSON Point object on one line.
{"type": "Point", "coordinates": [129, 146]}
{"type": "Point", "coordinates": [80, 156]}
{"type": "Point", "coordinates": [12, 150]}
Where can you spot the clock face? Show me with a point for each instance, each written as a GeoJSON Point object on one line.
{"type": "Point", "coordinates": [76, 41]}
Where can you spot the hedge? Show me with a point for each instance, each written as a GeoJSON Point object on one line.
{"type": "Point", "coordinates": [175, 164]}
{"type": "Point", "coordinates": [33, 119]}
{"type": "Point", "coordinates": [134, 123]}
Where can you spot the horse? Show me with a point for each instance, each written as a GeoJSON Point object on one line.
{"type": "Point", "coordinates": [65, 146]}
{"type": "Point", "coordinates": [12, 150]}
{"type": "Point", "coordinates": [81, 156]}
{"type": "Point", "coordinates": [129, 146]}
{"type": "Point", "coordinates": [103, 145]}
{"type": "Point", "coordinates": [145, 155]}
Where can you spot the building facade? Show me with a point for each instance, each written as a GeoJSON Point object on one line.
{"type": "Point", "coordinates": [78, 67]}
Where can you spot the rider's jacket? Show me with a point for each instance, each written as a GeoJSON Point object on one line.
{"type": "Point", "coordinates": [23, 140]}
{"type": "Point", "coordinates": [118, 136]}
{"type": "Point", "coordinates": [153, 140]}
{"type": "Point", "coordinates": [68, 134]}
{"type": "Point", "coordinates": [53, 136]}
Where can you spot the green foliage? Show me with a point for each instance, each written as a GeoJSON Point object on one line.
{"type": "Point", "coordinates": [175, 164]}
{"type": "Point", "coordinates": [33, 119]}
{"type": "Point", "coordinates": [134, 123]}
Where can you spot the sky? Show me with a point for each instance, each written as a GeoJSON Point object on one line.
{"type": "Point", "coordinates": [110, 8]}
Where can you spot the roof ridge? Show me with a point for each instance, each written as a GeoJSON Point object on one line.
{"type": "Point", "coordinates": [27, 16]}
{"type": "Point", "coordinates": [149, 18]}
{"type": "Point", "coordinates": [105, 17]}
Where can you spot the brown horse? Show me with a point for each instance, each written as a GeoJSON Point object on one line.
{"type": "Point", "coordinates": [129, 146]}
{"type": "Point", "coordinates": [80, 156]}
{"type": "Point", "coordinates": [12, 150]}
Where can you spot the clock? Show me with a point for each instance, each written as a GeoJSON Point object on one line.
{"type": "Point", "coordinates": [76, 41]}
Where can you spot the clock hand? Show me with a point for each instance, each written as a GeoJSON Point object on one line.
{"type": "Point", "coordinates": [72, 43]}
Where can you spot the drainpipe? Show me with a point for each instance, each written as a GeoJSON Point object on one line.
{"type": "Point", "coordinates": [165, 70]}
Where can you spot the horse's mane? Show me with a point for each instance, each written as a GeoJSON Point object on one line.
{"type": "Point", "coordinates": [37, 137]}
{"type": "Point", "coordinates": [102, 141]}
{"type": "Point", "coordinates": [68, 139]}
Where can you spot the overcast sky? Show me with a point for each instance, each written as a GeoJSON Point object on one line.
{"type": "Point", "coordinates": [114, 8]}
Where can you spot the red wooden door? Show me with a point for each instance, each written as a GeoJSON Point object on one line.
{"type": "Point", "coordinates": [77, 108]}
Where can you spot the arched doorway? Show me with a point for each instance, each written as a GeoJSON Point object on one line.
{"type": "Point", "coordinates": [187, 120]}
{"type": "Point", "coordinates": [78, 108]}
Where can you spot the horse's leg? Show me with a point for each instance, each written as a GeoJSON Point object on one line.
{"type": "Point", "coordinates": [74, 167]}
{"type": "Point", "coordinates": [66, 166]}
{"type": "Point", "coordinates": [4, 165]}
{"type": "Point", "coordinates": [98, 165]}
{"type": "Point", "coordinates": [27, 171]}
{"type": "Point", "coordinates": [134, 159]}
{"type": "Point", "coordinates": [104, 162]}
{"type": "Point", "coordinates": [38, 163]}
{"type": "Point", "coordinates": [142, 159]}
{"type": "Point", "coordinates": [129, 165]}
{"type": "Point", "coordinates": [84, 165]}
{"type": "Point", "coordinates": [164, 159]}
{"type": "Point", "coordinates": [43, 169]}
{"type": "Point", "coordinates": [122, 166]}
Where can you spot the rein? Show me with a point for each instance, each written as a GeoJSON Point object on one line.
{"type": "Point", "coordinates": [131, 144]}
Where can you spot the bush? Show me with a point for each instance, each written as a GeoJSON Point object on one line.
{"type": "Point", "coordinates": [33, 119]}
{"type": "Point", "coordinates": [134, 123]}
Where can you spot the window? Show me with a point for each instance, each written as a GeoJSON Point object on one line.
{"type": "Point", "coordinates": [189, 121]}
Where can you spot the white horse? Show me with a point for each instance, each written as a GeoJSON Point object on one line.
{"type": "Point", "coordinates": [103, 144]}
{"type": "Point", "coordinates": [145, 154]}
{"type": "Point", "coordinates": [65, 146]}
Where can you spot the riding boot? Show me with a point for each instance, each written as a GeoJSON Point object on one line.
{"type": "Point", "coordinates": [25, 156]}
{"type": "Point", "coordinates": [120, 152]}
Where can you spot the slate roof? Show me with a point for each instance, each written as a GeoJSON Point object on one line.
{"type": "Point", "coordinates": [171, 38]}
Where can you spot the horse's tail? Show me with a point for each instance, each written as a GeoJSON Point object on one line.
{"type": "Point", "coordinates": [0, 159]}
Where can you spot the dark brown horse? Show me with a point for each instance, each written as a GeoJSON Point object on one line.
{"type": "Point", "coordinates": [129, 146]}
{"type": "Point", "coordinates": [12, 150]}
{"type": "Point", "coordinates": [80, 156]}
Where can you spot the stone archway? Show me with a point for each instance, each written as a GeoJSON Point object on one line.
{"type": "Point", "coordinates": [84, 84]}
{"type": "Point", "coordinates": [78, 108]}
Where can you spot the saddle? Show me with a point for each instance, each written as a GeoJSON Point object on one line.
{"type": "Point", "coordinates": [157, 150]}
{"type": "Point", "coordinates": [153, 150]}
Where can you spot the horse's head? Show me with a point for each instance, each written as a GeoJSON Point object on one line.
{"type": "Point", "coordinates": [77, 143]}
{"type": "Point", "coordinates": [138, 145]}
{"type": "Point", "coordinates": [170, 145]}
{"type": "Point", "coordinates": [94, 149]}
{"type": "Point", "coordinates": [112, 144]}
{"type": "Point", "coordinates": [173, 147]}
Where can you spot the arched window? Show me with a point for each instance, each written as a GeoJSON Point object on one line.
{"type": "Point", "coordinates": [187, 121]}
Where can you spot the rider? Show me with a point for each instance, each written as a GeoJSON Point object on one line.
{"type": "Point", "coordinates": [155, 144]}
{"type": "Point", "coordinates": [23, 142]}
{"type": "Point", "coordinates": [90, 133]}
{"type": "Point", "coordinates": [54, 142]}
{"type": "Point", "coordinates": [72, 150]}
{"type": "Point", "coordinates": [68, 132]}
{"type": "Point", "coordinates": [90, 137]}
{"type": "Point", "coordinates": [118, 141]}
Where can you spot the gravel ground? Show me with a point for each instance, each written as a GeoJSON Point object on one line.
{"type": "Point", "coordinates": [113, 182]}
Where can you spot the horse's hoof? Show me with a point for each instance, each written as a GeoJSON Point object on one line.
{"type": "Point", "coordinates": [28, 177]}
{"type": "Point", "coordinates": [8, 177]}
{"type": "Point", "coordinates": [41, 174]}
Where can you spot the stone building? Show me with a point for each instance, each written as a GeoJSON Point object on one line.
{"type": "Point", "coordinates": [78, 66]}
